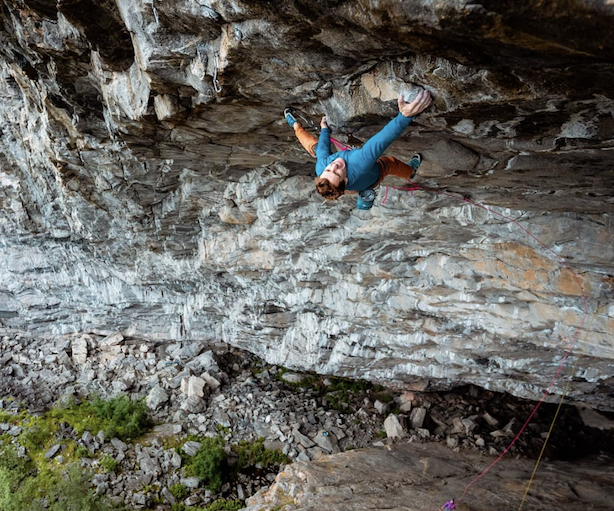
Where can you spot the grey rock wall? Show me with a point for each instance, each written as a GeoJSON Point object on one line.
{"type": "Point", "coordinates": [149, 185]}
{"type": "Point", "coordinates": [415, 477]}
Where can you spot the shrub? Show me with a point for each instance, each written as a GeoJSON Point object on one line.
{"type": "Point", "coordinates": [179, 491]}
{"type": "Point", "coordinates": [124, 419]}
{"type": "Point", "coordinates": [71, 493]}
{"type": "Point", "coordinates": [251, 454]}
{"type": "Point", "coordinates": [82, 452]}
{"type": "Point", "coordinates": [35, 437]}
{"type": "Point", "coordinates": [209, 463]}
{"type": "Point", "coordinates": [13, 470]}
{"type": "Point", "coordinates": [109, 464]}
{"type": "Point", "coordinates": [22, 488]}
{"type": "Point", "coordinates": [225, 505]}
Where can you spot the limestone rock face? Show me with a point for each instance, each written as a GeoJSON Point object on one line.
{"type": "Point", "coordinates": [149, 185]}
{"type": "Point", "coordinates": [414, 477]}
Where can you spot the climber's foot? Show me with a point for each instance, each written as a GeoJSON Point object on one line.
{"type": "Point", "coordinates": [290, 119]}
{"type": "Point", "coordinates": [414, 163]}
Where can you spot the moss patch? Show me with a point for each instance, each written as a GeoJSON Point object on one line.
{"type": "Point", "coordinates": [256, 454]}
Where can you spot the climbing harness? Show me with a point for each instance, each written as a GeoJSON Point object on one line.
{"type": "Point", "coordinates": [413, 187]}
{"type": "Point", "coordinates": [216, 83]}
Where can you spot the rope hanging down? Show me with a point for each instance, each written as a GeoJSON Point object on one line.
{"type": "Point", "coordinates": [558, 409]}
{"type": "Point", "coordinates": [413, 187]}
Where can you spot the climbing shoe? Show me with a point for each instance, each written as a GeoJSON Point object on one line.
{"type": "Point", "coordinates": [414, 163]}
{"type": "Point", "coordinates": [290, 119]}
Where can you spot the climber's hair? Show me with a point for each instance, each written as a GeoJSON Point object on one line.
{"type": "Point", "coordinates": [327, 190]}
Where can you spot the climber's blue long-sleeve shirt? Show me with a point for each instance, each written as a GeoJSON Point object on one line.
{"type": "Point", "coordinates": [361, 164]}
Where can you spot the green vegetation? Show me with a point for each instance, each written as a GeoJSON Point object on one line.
{"type": "Point", "coordinates": [123, 418]}
{"type": "Point", "coordinates": [118, 417]}
{"type": "Point", "coordinates": [82, 452]}
{"type": "Point", "coordinates": [225, 505]}
{"type": "Point", "coordinates": [218, 505]}
{"type": "Point", "coordinates": [109, 464]}
{"type": "Point", "coordinates": [209, 463]}
{"type": "Point", "coordinates": [37, 434]}
{"type": "Point", "coordinates": [384, 397]}
{"type": "Point", "coordinates": [223, 429]}
{"type": "Point", "coordinates": [255, 454]}
{"type": "Point", "coordinates": [22, 486]}
{"type": "Point", "coordinates": [339, 393]}
{"type": "Point", "coordinates": [179, 491]}
{"type": "Point", "coordinates": [9, 418]}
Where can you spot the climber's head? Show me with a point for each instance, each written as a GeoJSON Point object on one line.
{"type": "Point", "coordinates": [329, 191]}
{"type": "Point", "coordinates": [332, 181]}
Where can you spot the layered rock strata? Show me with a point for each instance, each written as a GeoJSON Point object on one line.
{"type": "Point", "coordinates": [147, 182]}
{"type": "Point", "coordinates": [415, 477]}
{"type": "Point", "coordinates": [218, 391]}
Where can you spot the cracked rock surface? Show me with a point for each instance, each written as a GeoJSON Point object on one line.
{"type": "Point", "coordinates": [149, 184]}
{"type": "Point", "coordinates": [414, 477]}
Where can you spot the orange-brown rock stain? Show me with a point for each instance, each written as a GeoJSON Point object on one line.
{"type": "Point", "coordinates": [569, 283]}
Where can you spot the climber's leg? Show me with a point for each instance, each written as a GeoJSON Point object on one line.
{"type": "Point", "coordinates": [307, 140]}
{"type": "Point", "coordinates": [389, 165]}
{"type": "Point", "coordinates": [415, 162]}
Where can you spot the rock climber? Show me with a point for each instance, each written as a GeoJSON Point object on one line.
{"type": "Point", "coordinates": [360, 170]}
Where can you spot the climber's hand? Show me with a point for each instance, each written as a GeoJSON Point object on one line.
{"type": "Point", "coordinates": [422, 102]}
{"type": "Point", "coordinates": [324, 123]}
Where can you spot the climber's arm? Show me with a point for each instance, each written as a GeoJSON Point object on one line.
{"type": "Point", "coordinates": [378, 143]}
{"type": "Point", "coordinates": [323, 147]}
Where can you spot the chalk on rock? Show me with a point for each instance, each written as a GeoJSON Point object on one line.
{"type": "Point", "coordinates": [410, 92]}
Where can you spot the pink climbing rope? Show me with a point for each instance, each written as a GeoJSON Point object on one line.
{"type": "Point", "coordinates": [412, 188]}
{"type": "Point", "coordinates": [340, 145]}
